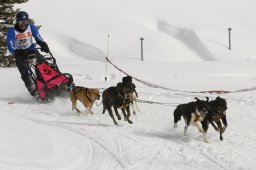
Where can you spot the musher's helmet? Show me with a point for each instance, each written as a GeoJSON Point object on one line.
{"type": "Point", "coordinates": [21, 16]}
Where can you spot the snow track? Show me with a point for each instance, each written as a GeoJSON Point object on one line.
{"type": "Point", "coordinates": [138, 146]}
{"type": "Point", "coordinates": [60, 139]}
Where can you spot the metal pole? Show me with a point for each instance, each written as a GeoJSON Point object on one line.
{"type": "Point", "coordinates": [229, 38]}
{"type": "Point", "coordinates": [106, 77]}
{"type": "Point", "coordinates": [141, 47]}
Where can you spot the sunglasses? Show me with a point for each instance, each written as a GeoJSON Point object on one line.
{"type": "Point", "coordinates": [23, 22]}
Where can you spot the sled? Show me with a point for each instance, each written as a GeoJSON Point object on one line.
{"type": "Point", "coordinates": [49, 81]}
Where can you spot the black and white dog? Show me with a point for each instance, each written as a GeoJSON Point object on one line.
{"type": "Point", "coordinates": [193, 113]}
{"type": "Point", "coordinates": [216, 114]}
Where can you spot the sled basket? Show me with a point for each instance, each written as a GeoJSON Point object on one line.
{"type": "Point", "coordinates": [50, 82]}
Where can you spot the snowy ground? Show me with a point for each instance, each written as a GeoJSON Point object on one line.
{"type": "Point", "coordinates": [185, 50]}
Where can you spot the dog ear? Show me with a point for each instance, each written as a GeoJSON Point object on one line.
{"type": "Point", "coordinates": [207, 99]}
{"type": "Point", "coordinates": [196, 99]}
{"type": "Point", "coordinates": [123, 79]}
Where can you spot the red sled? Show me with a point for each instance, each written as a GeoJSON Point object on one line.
{"type": "Point", "coordinates": [49, 81]}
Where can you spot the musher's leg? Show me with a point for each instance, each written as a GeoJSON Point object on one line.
{"type": "Point", "coordinates": [23, 68]}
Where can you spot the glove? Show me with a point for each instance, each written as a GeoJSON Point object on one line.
{"type": "Point", "coordinates": [21, 52]}
{"type": "Point", "coordinates": [44, 47]}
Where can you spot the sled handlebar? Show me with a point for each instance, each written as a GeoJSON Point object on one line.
{"type": "Point", "coordinates": [47, 58]}
{"type": "Point", "coordinates": [31, 56]}
{"type": "Point", "coordinates": [39, 48]}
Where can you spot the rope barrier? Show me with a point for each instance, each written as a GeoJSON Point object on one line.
{"type": "Point", "coordinates": [160, 103]}
{"type": "Point", "coordinates": [175, 90]}
{"type": "Point", "coordinates": [142, 81]}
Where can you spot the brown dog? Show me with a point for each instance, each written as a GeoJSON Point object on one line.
{"type": "Point", "coordinates": [85, 95]}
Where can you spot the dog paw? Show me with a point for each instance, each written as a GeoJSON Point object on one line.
{"type": "Point", "coordinates": [185, 131]}
{"type": "Point", "coordinates": [217, 129]}
{"type": "Point", "coordinates": [129, 121]}
{"type": "Point", "coordinates": [201, 130]}
{"type": "Point", "coordinates": [175, 125]}
{"type": "Point", "coordinates": [206, 141]}
{"type": "Point", "coordinates": [119, 118]}
{"type": "Point", "coordinates": [223, 129]}
{"type": "Point", "coordinates": [221, 138]}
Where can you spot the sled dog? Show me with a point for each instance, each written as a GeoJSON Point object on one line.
{"type": "Point", "coordinates": [193, 113]}
{"type": "Point", "coordinates": [118, 97]}
{"type": "Point", "coordinates": [85, 95]}
{"type": "Point", "coordinates": [216, 114]}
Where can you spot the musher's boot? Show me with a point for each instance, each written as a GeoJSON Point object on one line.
{"type": "Point", "coordinates": [30, 85]}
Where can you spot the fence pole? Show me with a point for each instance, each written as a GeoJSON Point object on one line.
{"type": "Point", "coordinates": [141, 48]}
{"type": "Point", "coordinates": [106, 77]}
{"type": "Point", "coordinates": [229, 38]}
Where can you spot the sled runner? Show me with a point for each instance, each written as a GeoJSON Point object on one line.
{"type": "Point", "coordinates": [49, 81]}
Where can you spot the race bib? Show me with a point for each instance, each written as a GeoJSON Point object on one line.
{"type": "Point", "coordinates": [23, 40]}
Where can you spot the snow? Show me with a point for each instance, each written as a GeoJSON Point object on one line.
{"type": "Point", "coordinates": [185, 49]}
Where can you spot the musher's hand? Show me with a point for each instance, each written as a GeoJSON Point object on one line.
{"type": "Point", "coordinates": [44, 47]}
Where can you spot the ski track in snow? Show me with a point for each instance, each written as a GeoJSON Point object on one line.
{"type": "Point", "coordinates": [145, 144]}
{"type": "Point", "coordinates": [124, 134]}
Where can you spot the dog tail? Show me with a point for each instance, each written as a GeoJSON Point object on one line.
{"type": "Point", "coordinates": [104, 103]}
{"type": "Point", "coordinates": [104, 108]}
